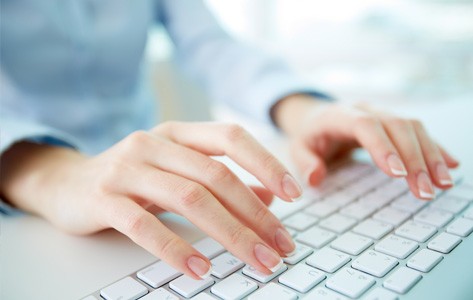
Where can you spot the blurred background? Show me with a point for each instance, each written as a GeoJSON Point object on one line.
{"type": "Point", "coordinates": [382, 51]}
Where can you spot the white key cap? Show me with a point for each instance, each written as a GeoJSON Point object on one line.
{"type": "Point", "coordinates": [261, 277]}
{"type": "Point", "coordinates": [349, 282]}
{"type": "Point", "coordinates": [450, 203]}
{"type": "Point", "coordinates": [339, 199]}
{"type": "Point", "coordinates": [461, 227]}
{"type": "Point", "coordinates": [352, 243]}
{"type": "Point", "coordinates": [91, 297]}
{"type": "Point", "coordinates": [292, 232]}
{"type": "Point", "coordinates": [338, 223]}
{"type": "Point", "coordinates": [374, 263]}
{"type": "Point", "coordinates": [235, 286]}
{"type": "Point", "coordinates": [124, 289]}
{"type": "Point", "coordinates": [225, 264]}
{"type": "Point", "coordinates": [424, 260]}
{"type": "Point", "coordinates": [444, 242]}
{"type": "Point", "coordinates": [273, 291]}
{"type": "Point", "coordinates": [158, 274]}
{"type": "Point", "coordinates": [402, 280]}
{"type": "Point", "coordinates": [380, 294]}
{"type": "Point", "coordinates": [358, 210]}
{"type": "Point", "coordinates": [316, 237]}
{"type": "Point", "coordinates": [302, 278]}
{"type": "Point", "coordinates": [469, 213]}
{"type": "Point", "coordinates": [435, 217]}
{"type": "Point", "coordinates": [160, 294]}
{"type": "Point", "coordinates": [373, 229]}
{"type": "Point", "coordinates": [202, 296]}
{"type": "Point", "coordinates": [464, 190]}
{"type": "Point", "coordinates": [376, 199]}
{"type": "Point", "coordinates": [391, 215]}
{"type": "Point", "coordinates": [409, 203]}
{"type": "Point", "coordinates": [321, 209]}
{"type": "Point", "coordinates": [416, 231]}
{"type": "Point", "coordinates": [393, 188]}
{"type": "Point", "coordinates": [328, 259]}
{"type": "Point", "coordinates": [188, 287]}
{"type": "Point", "coordinates": [300, 253]}
{"type": "Point", "coordinates": [300, 221]}
{"type": "Point", "coordinates": [209, 247]}
{"type": "Point", "coordinates": [322, 293]}
{"type": "Point", "coordinates": [396, 246]}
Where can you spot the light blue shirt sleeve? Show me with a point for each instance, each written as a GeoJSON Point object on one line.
{"type": "Point", "coordinates": [243, 77]}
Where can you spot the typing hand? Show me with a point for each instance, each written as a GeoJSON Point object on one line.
{"type": "Point", "coordinates": [168, 169]}
{"type": "Point", "coordinates": [322, 131]}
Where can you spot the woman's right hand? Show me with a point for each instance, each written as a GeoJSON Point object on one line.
{"type": "Point", "coordinates": [165, 169]}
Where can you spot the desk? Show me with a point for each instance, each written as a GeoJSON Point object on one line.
{"type": "Point", "coordinates": [39, 262]}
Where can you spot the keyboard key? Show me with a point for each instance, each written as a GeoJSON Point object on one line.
{"type": "Point", "coordinates": [201, 296]}
{"type": "Point", "coordinates": [225, 264]}
{"type": "Point", "coordinates": [380, 294]}
{"type": "Point", "coordinates": [402, 280]}
{"type": "Point", "coordinates": [393, 188]}
{"type": "Point", "coordinates": [396, 246]}
{"type": "Point", "coordinates": [235, 286]}
{"type": "Point", "coordinates": [450, 203]}
{"type": "Point", "coordinates": [392, 216]}
{"type": "Point", "coordinates": [373, 229]}
{"type": "Point", "coordinates": [351, 243]}
{"type": "Point", "coordinates": [328, 260]}
{"type": "Point", "coordinates": [416, 231]}
{"type": "Point", "coordinates": [432, 216]}
{"type": "Point", "coordinates": [273, 291]}
{"type": "Point", "coordinates": [469, 213]}
{"type": "Point", "coordinates": [444, 242]}
{"type": "Point", "coordinates": [322, 293]}
{"type": "Point", "coordinates": [158, 274]}
{"type": "Point", "coordinates": [124, 289]}
{"type": "Point", "coordinates": [464, 191]}
{"type": "Point", "coordinates": [424, 260]}
{"type": "Point", "coordinates": [261, 277]}
{"type": "Point", "coordinates": [160, 294]}
{"type": "Point", "coordinates": [376, 199]}
{"type": "Point", "coordinates": [209, 247]}
{"type": "Point", "coordinates": [316, 237]}
{"type": "Point", "coordinates": [301, 253]}
{"type": "Point", "coordinates": [338, 223]}
{"type": "Point", "coordinates": [409, 203]}
{"type": "Point", "coordinates": [358, 210]}
{"type": "Point", "coordinates": [302, 278]}
{"type": "Point", "coordinates": [188, 287]}
{"type": "Point", "coordinates": [339, 199]}
{"type": "Point", "coordinates": [321, 209]}
{"type": "Point", "coordinates": [300, 221]}
{"type": "Point", "coordinates": [91, 297]}
{"type": "Point", "coordinates": [350, 282]}
{"type": "Point", "coordinates": [374, 263]}
{"type": "Point", "coordinates": [461, 227]}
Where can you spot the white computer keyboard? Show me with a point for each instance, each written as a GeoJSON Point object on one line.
{"type": "Point", "coordinates": [362, 234]}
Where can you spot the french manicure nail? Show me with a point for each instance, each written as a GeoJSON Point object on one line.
{"type": "Point", "coordinates": [291, 187]}
{"type": "Point", "coordinates": [426, 189]}
{"type": "Point", "coordinates": [396, 165]}
{"type": "Point", "coordinates": [199, 266]}
{"type": "Point", "coordinates": [269, 258]}
{"type": "Point", "coordinates": [284, 241]}
{"type": "Point", "coordinates": [444, 175]}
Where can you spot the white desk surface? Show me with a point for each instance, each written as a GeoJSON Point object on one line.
{"type": "Point", "coordinates": [39, 262]}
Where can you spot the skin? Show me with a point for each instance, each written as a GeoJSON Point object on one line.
{"type": "Point", "coordinates": [169, 169]}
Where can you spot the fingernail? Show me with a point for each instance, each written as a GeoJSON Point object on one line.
{"type": "Point", "coordinates": [269, 258]}
{"type": "Point", "coordinates": [396, 165]}
{"type": "Point", "coordinates": [199, 266]}
{"type": "Point", "coordinates": [426, 189]}
{"type": "Point", "coordinates": [285, 242]}
{"type": "Point", "coordinates": [291, 187]}
{"type": "Point", "coordinates": [444, 175]}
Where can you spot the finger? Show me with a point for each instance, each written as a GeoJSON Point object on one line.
{"type": "Point", "coordinates": [235, 196]}
{"type": "Point", "coordinates": [235, 142]}
{"type": "Point", "coordinates": [198, 205]}
{"type": "Point", "coordinates": [450, 160]}
{"type": "Point", "coordinates": [148, 232]}
{"type": "Point", "coordinates": [263, 194]}
{"type": "Point", "coordinates": [311, 165]}
{"type": "Point", "coordinates": [403, 135]}
{"type": "Point", "coordinates": [434, 160]}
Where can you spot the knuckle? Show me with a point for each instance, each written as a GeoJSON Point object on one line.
{"type": "Point", "coordinates": [234, 132]}
{"type": "Point", "coordinates": [364, 121]}
{"type": "Point", "coordinates": [261, 214]}
{"type": "Point", "coordinates": [135, 223]}
{"type": "Point", "coordinates": [217, 172]}
{"type": "Point", "coordinates": [238, 235]}
{"type": "Point", "coordinates": [399, 123]}
{"type": "Point", "coordinates": [416, 124]}
{"type": "Point", "coordinates": [166, 126]}
{"type": "Point", "coordinates": [135, 140]}
{"type": "Point", "coordinates": [192, 196]}
{"type": "Point", "coordinates": [167, 246]}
